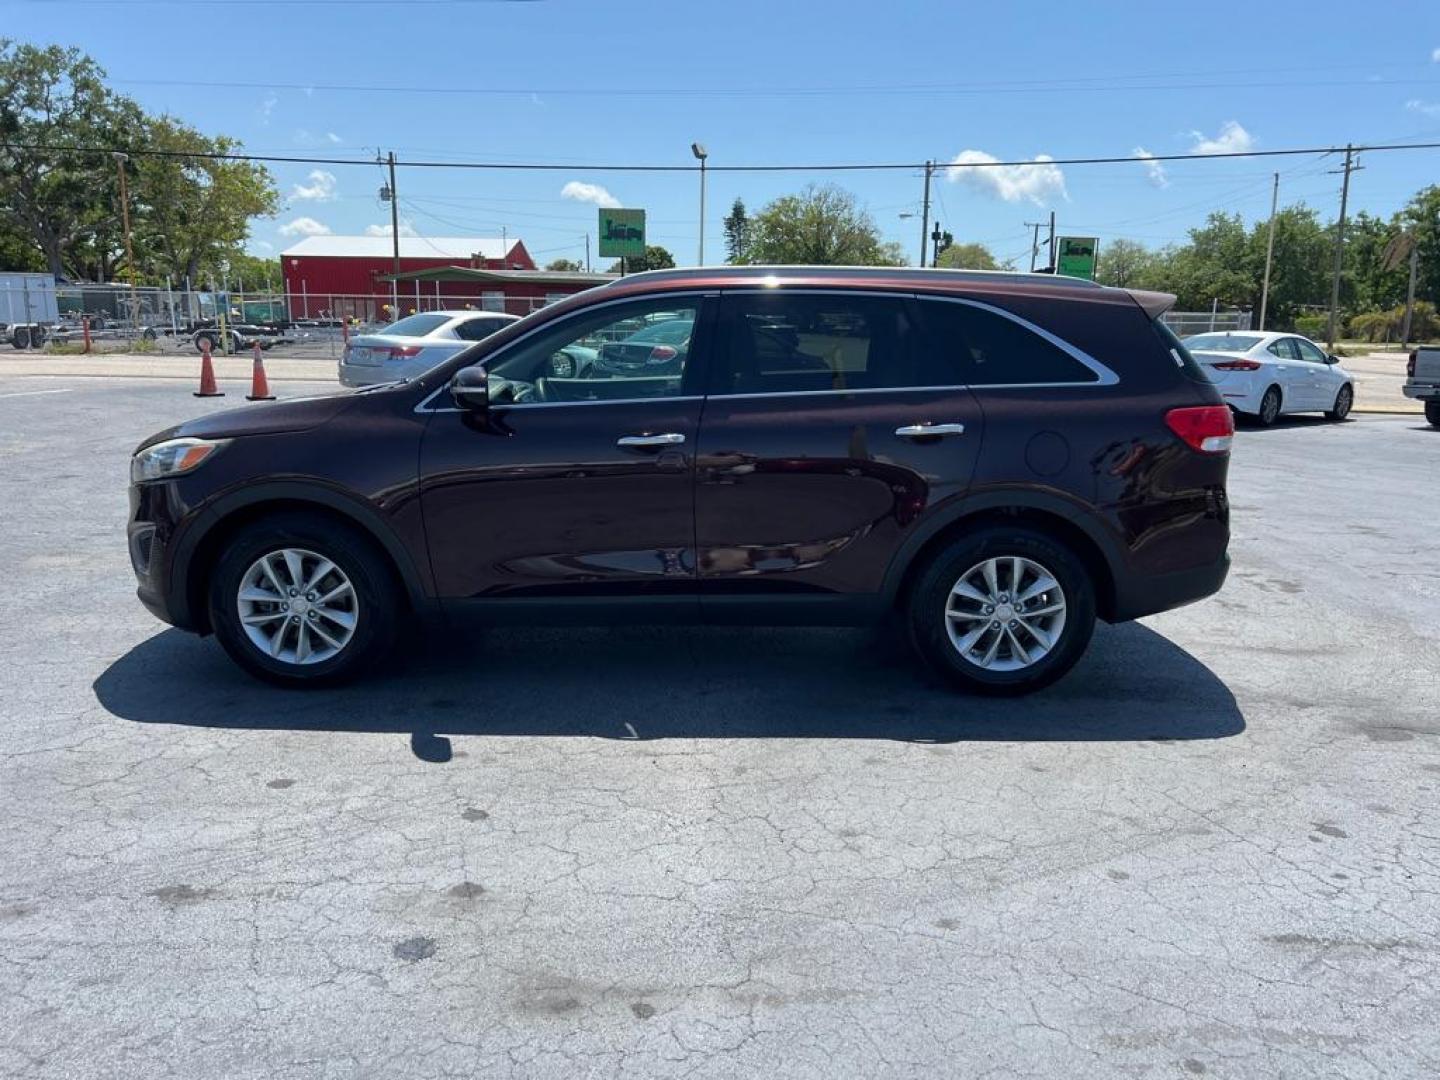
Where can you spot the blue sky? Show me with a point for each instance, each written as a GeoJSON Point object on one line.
{"type": "Point", "coordinates": [780, 81]}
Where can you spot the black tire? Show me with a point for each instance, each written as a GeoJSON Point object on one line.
{"type": "Point", "coordinates": [1432, 413]}
{"type": "Point", "coordinates": [378, 605]}
{"type": "Point", "coordinates": [1344, 401]}
{"type": "Point", "coordinates": [21, 338]}
{"type": "Point", "coordinates": [149, 334]}
{"type": "Point", "coordinates": [1269, 407]}
{"type": "Point", "coordinates": [930, 597]}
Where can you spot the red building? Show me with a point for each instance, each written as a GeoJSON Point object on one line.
{"type": "Point", "coordinates": [350, 275]}
{"type": "Point", "coordinates": [517, 292]}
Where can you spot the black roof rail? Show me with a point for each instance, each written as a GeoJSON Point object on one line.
{"type": "Point", "coordinates": [844, 273]}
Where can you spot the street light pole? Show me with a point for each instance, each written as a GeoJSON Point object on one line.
{"type": "Point", "coordinates": [1269, 252]}
{"type": "Point", "coordinates": [698, 150]}
{"type": "Point", "coordinates": [925, 213]}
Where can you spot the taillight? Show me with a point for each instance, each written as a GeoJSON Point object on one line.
{"type": "Point", "coordinates": [660, 353]}
{"type": "Point", "coordinates": [1237, 365]}
{"type": "Point", "coordinates": [399, 353]}
{"type": "Point", "coordinates": [1207, 428]}
{"type": "Point", "coordinates": [1410, 364]}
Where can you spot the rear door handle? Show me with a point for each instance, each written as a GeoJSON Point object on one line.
{"type": "Point", "coordinates": [922, 431]}
{"type": "Point", "coordinates": [650, 442]}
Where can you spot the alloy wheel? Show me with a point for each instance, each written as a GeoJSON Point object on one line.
{"type": "Point", "coordinates": [297, 606]}
{"type": "Point", "coordinates": [1005, 613]}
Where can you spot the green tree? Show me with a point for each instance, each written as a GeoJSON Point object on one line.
{"type": "Point", "coordinates": [563, 266]}
{"type": "Point", "coordinates": [1126, 264]}
{"type": "Point", "coordinates": [822, 226]}
{"type": "Point", "coordinates": [655, 258]}
{"type": "Point", "coordinates": [193, 212]}
{"type": "Point", "coordinates": [737, 233]}
{"type": "Point", "coordinates": [969, 257]}
{"type": "Point", "coordinates": [1421, 218]}
{"type": "Point", "coordinates": [66, 203]}
{"type": "Point", "coordinates": [1300, 271]}
{"type": "Point", "coordinates": [251, 273]}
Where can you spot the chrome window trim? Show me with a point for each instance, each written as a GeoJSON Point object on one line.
{"type": "Point", "coordinates": [855, 390]}
{"type": "Point", "coordinates": [703, 294]}
{"type": "Point", "coordinates": [1104, 375]}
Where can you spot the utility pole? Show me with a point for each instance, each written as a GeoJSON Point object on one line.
{"type": "Point", "coordinates": [1269, 251]}
{"type": "Point", "coordinates": [394, 242]}
{"type": "Point", "coordinates": [1052, 240]}
{"type": "Point", "coordinates": [120, 160]}
{"type": "Point", "coordinates": [1034, 227]}
{"type": "Point", "coordinates": [587, 253]}
{"type": "Point", "coordinates": [925, 213]}
{"type": "Point", "coordinates": [1339, 247]}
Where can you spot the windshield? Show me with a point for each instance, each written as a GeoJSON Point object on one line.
{"type": "Point", "coordinates": [417, 325]}
{"type": "Point", "coordinates": [1223, 342]}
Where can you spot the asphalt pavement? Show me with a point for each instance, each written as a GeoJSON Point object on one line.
{"type": "Point", "coordinates": [1213, 849]}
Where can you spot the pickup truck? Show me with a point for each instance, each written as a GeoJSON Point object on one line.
{"type": "Point", "coordinates": [1422, 380]}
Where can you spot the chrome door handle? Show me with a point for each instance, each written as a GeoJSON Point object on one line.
{"type": "Point", "coordinates": [920, 431]}
{"type": "Point", "coordinates": [643, 442]}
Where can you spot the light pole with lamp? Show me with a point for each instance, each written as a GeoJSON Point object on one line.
{"type": "Point", "coordinates": [700, 155]}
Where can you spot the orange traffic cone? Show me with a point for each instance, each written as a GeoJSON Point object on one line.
{"type": "Point", "coordinates": [207, 373]}
{"type": "Point", "coordinates": [259, 385]}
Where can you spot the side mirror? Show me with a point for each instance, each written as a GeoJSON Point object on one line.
{"type": "Point", "coordinates": [471, 389]}
{"type": "Point", "coordinates": [1331, 358]}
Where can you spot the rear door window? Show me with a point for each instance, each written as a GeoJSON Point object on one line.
{"type": "Point", "coordinates": [786, 343]}
{"type": "Point", "coordinates": [417, 325]}
{"type": "Point", "coordinates": [985, 346]}
{"type": "Point", "coordinates": [1284, 348]}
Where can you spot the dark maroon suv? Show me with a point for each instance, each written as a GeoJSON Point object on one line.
{"type": "Point", "coordinates": [995, 458]}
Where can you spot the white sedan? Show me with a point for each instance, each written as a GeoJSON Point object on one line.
{"type": "Point", "coordinates": [1265, 375]}
{"type": "Point", "coordinates": [415, 344]}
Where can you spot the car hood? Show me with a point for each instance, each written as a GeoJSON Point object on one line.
{"type": "Point", "coordinates": [263, 419]}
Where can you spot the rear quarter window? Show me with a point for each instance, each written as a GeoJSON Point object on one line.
{"type": "Point", "coordinates": [987, 347]}
{"type": "Point", "coordinates": [1179, 354]}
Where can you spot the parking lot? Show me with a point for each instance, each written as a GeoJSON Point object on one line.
{"type": "Point", "coordinates": [1213, 849]}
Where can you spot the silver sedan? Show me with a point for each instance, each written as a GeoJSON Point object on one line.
{"type": "Point", "coordinates": [415, 344]}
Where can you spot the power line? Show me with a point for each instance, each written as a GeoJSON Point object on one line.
{"type": "Point", "coordinates": [1128, 159]}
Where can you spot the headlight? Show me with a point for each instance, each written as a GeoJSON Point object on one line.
{"type": "Point", "coordinates": [172, 458]}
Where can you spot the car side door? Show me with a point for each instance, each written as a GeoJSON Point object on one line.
{"type": "Point", "coordinates": [1324, 382]}
{"type": "Point", "coordinates": [829, 431]}
{"type": "Point", "coordinates": [1289, 375]}
{"type": "Point", "coordinates": [569, 489]}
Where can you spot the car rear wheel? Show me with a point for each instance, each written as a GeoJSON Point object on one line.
{"type": "Point", "coordinates": [301, 600]}
{"type": "Point", "coordinates": [1343, 402]}
{"type": "Point", "coordinates": [1003, 611]}
{"type": "Point", "coordinates": [1432, 413]}
{"type": "Point", "coordinates": [1269, 407]}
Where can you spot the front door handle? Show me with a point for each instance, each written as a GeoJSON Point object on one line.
{"type": "Point", "coordinates": [924, 431]}
{"type": "Point", "coordinates": [650, 442]}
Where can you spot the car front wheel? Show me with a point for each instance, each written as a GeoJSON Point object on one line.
{"type": "Point", "coordinates": [1344, 400]}
{"type": "Point", "coordinates": [303, 601]}
{"type": "Point", "coordinates": [1003, 611]}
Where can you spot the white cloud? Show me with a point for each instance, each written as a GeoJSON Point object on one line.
{"type": "Point", "coordinates": [321, 187]}
{"type": "Point", "coordinates": [333, 139]}
{"type": "Point", "coordinates": [1038, 182]}
{"type": "Point", "coordinates": [1435, 56]}
{"type": "Point", "coordinates": [267, 106]}
{"type": "Point", "coordinates": [1424, 108]}
{"type": "Point", "coordinates": [1154, 170]}
{"type": "Point", "coordinates": [304, 226]}
{"type": "Point", "coordinates": [591, 193]}
{"type": "Point", "coordinates": [1233, 139]}
{"type": "Point", "coordinates": [406, 229]}
{"type": "Point", "coordinates": [264, 245]}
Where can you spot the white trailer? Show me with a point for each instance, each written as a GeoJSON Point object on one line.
{"type": "Point", "coordinates": [27, 308]}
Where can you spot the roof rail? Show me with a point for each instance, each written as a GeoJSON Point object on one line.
{"type": "Point", "coordinates": [844, 273]}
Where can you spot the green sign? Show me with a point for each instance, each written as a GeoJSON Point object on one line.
{"type": "Point", "coordinates": [622, 233]}
{"type": "Point", "coordinates": [1075, 256]}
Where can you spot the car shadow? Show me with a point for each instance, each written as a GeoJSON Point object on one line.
{"type": "Point", "coordinates": [692, 683]}
{"type": "Point", "coordinates": [1249, 425]}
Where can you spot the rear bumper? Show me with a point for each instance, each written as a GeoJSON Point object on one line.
{"type": "Point", "coordinates": [1150, 594]}
{"type": "Point", "coordinates": [1421, 391]}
